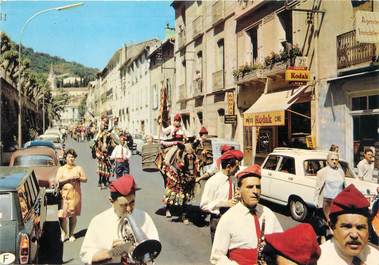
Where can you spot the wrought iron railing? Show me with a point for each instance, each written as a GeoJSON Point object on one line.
{"type": "Point", "coordinates": [350, 52]}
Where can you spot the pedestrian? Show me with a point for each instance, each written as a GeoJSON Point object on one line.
{"type": "Point", "coordinates": [349, 220]}
{"type": "Point", "coordinates": [330, 181]}
{"type": "Point", "coordinates": [297, 245]}
{"type": "Point", "coordinates": [218, 195]}
{"type": "Point", "coordinates": [121, 155]}
{"type": "Point", "coordinates": [366, 166]}
{"type": "Point", "coordinates": [103, 235]}
{"type": "Point", "coordinates": [242, 227]}
{"type": "Point", "coordinates": [69, 178]}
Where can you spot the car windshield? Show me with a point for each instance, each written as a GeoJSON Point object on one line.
{"type": "Point", "coordinates": [33, 160]}
{"type": "Point", "coordinates": [5, 207]}
{"type": "Point", "coordinates": [313, 165]}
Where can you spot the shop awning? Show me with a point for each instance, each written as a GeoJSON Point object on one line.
{"type": "Point", "coordinates": [270, 108]}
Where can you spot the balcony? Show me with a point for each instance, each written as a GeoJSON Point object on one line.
{"type": "Point", "coordinates": [181, 39]}
{"type": "Point", "coordinates": [182, 92]}
{"type": "Point", "coordinates": [197, 27]}
{"type": "Point", "coordinates": [351, 53]}
{"type": "Point", "coordinates": [218, 12]}
{"type": "Point", "coordinates": [218, 80]}
{"type": "Point", "coordinates": [198, 87]}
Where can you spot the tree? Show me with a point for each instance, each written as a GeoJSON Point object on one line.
{"type": "Point", "coordinates": [82, 107]}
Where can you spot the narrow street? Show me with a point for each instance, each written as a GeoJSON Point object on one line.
{"type": "Point", "coordinates": [181, 244]}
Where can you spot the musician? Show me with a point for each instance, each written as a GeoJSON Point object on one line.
{"type": "Point", "coordinates": [349, 221]}
{"type": "Point", "coordinates": [121, 155]}
{"type": "Point", "coordinates": [218, 191]}
{"type": "Point", "coordinates": [103, 146]}
{"type": "Point", "coordinates": [295, 246]}
{"type": "Point", "coordinates": [203, 151]}
{"type": "Point", "coordinates": [239, 230]}
{"type": "Point", "coordinates": [102, 234]}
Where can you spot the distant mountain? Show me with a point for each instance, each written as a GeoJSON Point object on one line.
{"type": "Point", "coordinates": [41, 63]}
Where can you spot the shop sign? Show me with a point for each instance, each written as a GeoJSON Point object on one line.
{"type": "Point", "coordinates": [311, 143]}
{"type": "Point", "coordinates": [230, 119]}
{"type": "Point", "coordinates": [297, 75]}
{"type": "Point", "coordinates": [273, 118]}
{"type": "Point", "coordinates": [230, 103]}
{"type": "Point", "coordinates": [367, 27]}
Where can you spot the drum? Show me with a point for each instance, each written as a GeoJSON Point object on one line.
{"type": "Point", "coordinates": [149, 153]}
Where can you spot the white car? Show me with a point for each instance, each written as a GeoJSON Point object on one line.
{"type": "Point", "coordinates": [139, 141]}
{"type": "Point", "coordinates": [289, 178]}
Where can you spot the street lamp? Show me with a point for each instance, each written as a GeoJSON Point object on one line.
{"type": "Point", "coordinates": [61, 8]}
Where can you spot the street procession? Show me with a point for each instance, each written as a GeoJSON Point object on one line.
{"type": "Point", "coordinates": [189, 132]}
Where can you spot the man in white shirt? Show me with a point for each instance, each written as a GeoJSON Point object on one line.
{"type": "Point", "coordinates": [102, 242]}
{"type": "Point", "coordinates": [218, 191]}
{"type": "Point", "coordinates": [366, 166]}
{"type": "Point", "coordinates": [240, 228]}
{"type": "Point", "coordinates": [121, 155]}
{"type": "Point", "coordinates": [349, 221]}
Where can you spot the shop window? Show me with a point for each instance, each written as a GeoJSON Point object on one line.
{"type": "Point", "coordinates": [265, 144]}
{"type": "Point", "coordinates": [359, 103]}
{"type": "Point", "coordinates": [287, 165]}
{"type": "Point", "coordinates": [373, 102]}
{"type": "Point", "coordinates": [271, 162]}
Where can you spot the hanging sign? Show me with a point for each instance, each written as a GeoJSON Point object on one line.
{"type": "Point", "coordinates": [230, 103]}
{"type": "Point", "coordinates": [273, 118]}
{"type": "Point", "coordinates": [367, 27]}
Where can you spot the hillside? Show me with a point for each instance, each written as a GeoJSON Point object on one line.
{"type": "Point", "coordinates": [41, 63]}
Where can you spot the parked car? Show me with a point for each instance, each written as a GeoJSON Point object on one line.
{"type": "Point", "coordinates": [289, 178]}
{"type": "Point", "coordinates": [22, 215]}
{"type": "Point", "coordinates": [57, 147]}
{"type": "Point", "coordinates": [44, 161]}
{"type": "Point", "coordinates": [138, 141]}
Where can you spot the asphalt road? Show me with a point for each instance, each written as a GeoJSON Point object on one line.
{"type": "Point", "coordinates": [181, 244]}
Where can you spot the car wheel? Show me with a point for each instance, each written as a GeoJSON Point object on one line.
{"type": "Point", "coordinates": [298, 209]}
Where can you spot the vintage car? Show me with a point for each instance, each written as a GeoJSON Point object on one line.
{"type": "Point", "coordinates": [58, 147]}
{"type": "Point", "coordinates": [43, 160]}
{"type": "Point", "coordinates": [289, 178]}
{"type": "Point", "coordinates": [22, 215]}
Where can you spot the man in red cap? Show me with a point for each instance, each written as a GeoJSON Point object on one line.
{"type": "Point", "coordinates": [218, 194]}
{"type": "Point", "coordinates": [121, 155]}
{"type": "Point", "coordinates": [241, 228]}
{"type": "Point", "coordinates": [297, 245]}
{"type": "Point", "coordinates": [103, 238]}
{"type": "Point", "coordinates": [349, 221]}
{"type": "Point", "coordinates": [216, 166]}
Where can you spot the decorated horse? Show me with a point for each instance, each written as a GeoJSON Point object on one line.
{"type": "Point", "coordinates": [179, 168]}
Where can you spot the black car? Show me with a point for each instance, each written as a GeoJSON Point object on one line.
{"type": "Point", "coordinates": [22, 215]}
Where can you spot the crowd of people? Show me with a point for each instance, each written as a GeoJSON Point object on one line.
{"type": "Point", "coordinates": [242, 230]}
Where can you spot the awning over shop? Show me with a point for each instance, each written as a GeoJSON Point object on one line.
{"type": "Point", "coordinates": [269, 109]}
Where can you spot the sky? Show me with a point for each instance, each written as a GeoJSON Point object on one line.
{"type": "Point", "coordinates": [88, 34]}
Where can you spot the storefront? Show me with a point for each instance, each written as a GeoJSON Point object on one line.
{"type": "Point", "coordinates": [279, 119]}
{"type": "Point", "coordinates": [349, 105]}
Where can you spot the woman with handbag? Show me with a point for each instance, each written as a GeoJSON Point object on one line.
{"type": "Point", "coordinates": [69, 178]}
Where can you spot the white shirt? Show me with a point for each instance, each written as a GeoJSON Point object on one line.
{"type": "Point", "coordinates": [365, 170]}
{"type": "Point", "coordinates": [236, 229]}
{"type": "Point", "coordinates": [169, 131]}
{"type": "Point", "coordinates": [330, 254]}
{"type": "Point", "coordinates": [121, 152]}
{"type": "Point", "coordinates": [216, 191]}
{"type": "Point", "coordinates": [103, 230]}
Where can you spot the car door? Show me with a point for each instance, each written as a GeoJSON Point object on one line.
{"type": "Point", "coordinates": [282, 184]}
{"type": "Point", "coordinates": [268, 172]}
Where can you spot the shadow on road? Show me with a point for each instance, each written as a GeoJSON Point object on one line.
{"type": "Point", "coordinates": [277, 208]}
{"type": "Point", "coordinates": [51, 247]}
{"type": "Point", "coordinates": [194, 214]}
{"type": "Point", "coordinates": [80, 234]}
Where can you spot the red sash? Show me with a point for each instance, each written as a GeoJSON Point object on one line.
{"type": "Point", "coordinates": [246, 256]}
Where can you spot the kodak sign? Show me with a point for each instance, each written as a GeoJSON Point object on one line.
{"type": "Point", "coordinates": [298, 75]}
